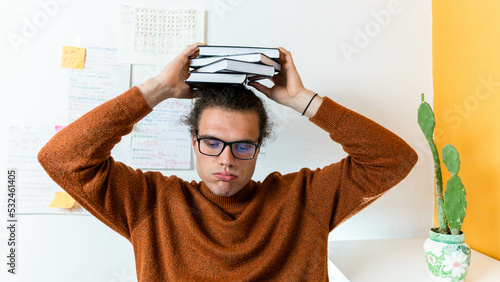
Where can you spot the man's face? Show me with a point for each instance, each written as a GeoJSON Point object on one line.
{"type": "Point", "coordinates": [224, 174]}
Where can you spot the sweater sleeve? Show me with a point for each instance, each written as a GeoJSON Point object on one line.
{"type": "Point", "coordinates": [78, 158]}
{"type": "Point", "coordinates": [377, 160]}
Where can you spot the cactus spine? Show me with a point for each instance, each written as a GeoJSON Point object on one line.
{"type": "Point", "coordinates": [450, 206]}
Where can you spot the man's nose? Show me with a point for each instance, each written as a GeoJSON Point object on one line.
{"type": "Point", "coordinates": [226, 157]}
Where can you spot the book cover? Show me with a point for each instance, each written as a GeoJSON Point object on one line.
{"type": "Point", "coordinates": [234, 66]}
{"type": "Point", "coordinates": [228, 78]}
{"type": "Point", "coordinates": [216, 50]}
{"type": "Point", "coordinates": [257, 58]}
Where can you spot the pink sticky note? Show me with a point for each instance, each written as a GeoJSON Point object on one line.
{"type": "Point", "coordinates": [59, 127]}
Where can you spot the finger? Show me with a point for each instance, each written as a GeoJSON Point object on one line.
{"type": "Point", "coordinates": [184, 73]}
{"type": "Point", "coordinates": [196, 51]}
{"type": "Point", "coordinates": [264, 89]}
{"type": "Point", "coordinates": [285, 56]}
{"type": "Point", "coordinates": [279, 78]}
{"type": "Point", "coordinates": [283, 50]}
{"type": "Point", "coordinates": [190, 49]}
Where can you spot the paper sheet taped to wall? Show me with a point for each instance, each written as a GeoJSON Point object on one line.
{"type": "Point", "coordinates": [159, 141]}
{"type": "Point", "coordinates": [152, 36]}
{"type": "Point", "coordinates": [35, 187]}
{"type": "Point", "coordinates": [101, 80]}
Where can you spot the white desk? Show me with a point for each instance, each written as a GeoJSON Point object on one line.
{"type": "Point", "coordinates": [397, 260]}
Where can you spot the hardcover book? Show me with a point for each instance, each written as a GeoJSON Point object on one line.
{"type": "Point", "coordinates": [257, 58]}
{"type": "Point", "coordinates": [229, 78]}
{"type": "Point", "coordinates": [215, 50]}
{"type": "Point", "coordinates": [233, 66]}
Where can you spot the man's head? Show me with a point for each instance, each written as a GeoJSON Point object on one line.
{"type": "Point", "coordinates": [229, 114]}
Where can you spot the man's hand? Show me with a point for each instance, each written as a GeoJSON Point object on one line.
{"type": "Point", "coordinates": [170, 82]}
{"type": "Point", "coordinates": [288, 89]}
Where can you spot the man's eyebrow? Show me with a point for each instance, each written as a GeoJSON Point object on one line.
{"type": "Point", "coordinates": [237, 141]}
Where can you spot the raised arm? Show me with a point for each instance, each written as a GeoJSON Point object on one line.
{"type": "Point", "coordinates": [377, 158]}
{"type": "Point", "coordinates": [78, 158]}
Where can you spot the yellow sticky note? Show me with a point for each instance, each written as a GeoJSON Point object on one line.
{"type": "Point", "coordinates": [73, 57]}
{"type": "Point", "coordinates": [62, 200]}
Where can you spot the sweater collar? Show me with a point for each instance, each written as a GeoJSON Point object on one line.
{"type": "Point", "coordinates": [233, 205]}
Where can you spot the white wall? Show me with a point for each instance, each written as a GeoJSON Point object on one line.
{"type": "Point", "coordinates": [382, 79]}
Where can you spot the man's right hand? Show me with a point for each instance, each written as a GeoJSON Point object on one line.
{"type": "Point", "coordinates": [170, 82]}
{"type": "Point", "coordinates": [288, 89]}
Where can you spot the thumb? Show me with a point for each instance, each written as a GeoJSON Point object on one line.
{"type": "Point", "coordinates": [264, 89]}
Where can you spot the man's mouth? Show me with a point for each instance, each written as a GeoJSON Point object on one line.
{"type": "Point", "coordinates": [225, 176]}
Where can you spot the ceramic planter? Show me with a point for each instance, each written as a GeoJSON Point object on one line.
{"type": "Point", "coordinates": [447, 257]}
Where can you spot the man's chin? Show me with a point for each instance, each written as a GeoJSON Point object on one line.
{"type": "Point", "coordinates": [224, 193]}
{"type": "Point", "coordinates": [225, 190]}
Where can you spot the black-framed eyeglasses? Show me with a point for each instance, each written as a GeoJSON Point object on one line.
{"type": "Point", "coordinates": [214, 147]}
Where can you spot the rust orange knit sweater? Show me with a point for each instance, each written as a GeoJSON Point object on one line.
{"type": "Point", "coordinates": [276, 229]}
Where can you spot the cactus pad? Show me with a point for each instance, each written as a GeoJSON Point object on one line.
{"type": "Point", "coordinates": [451, 159]}
{"type": "Point", "coordinates": [426, 119]}
{"type": "Point", "coordinates": [455, 204]}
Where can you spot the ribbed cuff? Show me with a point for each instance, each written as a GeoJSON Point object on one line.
{"type": "Point", "coordinates": [328, 115]}
{"type": "Point", "coordinates": [133, 104]}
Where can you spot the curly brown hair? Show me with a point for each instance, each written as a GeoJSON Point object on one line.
{"type": "Point", "coordinates": [228, 97]}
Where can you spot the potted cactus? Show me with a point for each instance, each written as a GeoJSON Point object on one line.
{"type": "Point", "coordinates": [447, 254]}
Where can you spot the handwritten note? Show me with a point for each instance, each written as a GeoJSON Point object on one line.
{"type": "Point", "coordinates": [36, 188]}
{"type": "Point", "coordinates": [160, 140]}
{"type": "Point", "coordinates": [102, 79]}
{"type": "Point", "coordinates": [34, 184]}
{"type": "Point", "coordinates": [62, 200]}
{"type": "Point", "coordinates": [73, 57]}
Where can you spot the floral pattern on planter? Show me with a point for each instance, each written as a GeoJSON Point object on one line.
{"type": "Point", "coordinates": [447, 257]}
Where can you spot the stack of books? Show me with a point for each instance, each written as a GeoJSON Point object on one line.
{"type": "Point", "coordinates": [233, 64]}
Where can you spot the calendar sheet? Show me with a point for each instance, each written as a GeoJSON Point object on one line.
{"type": "Point", "coordinates": [153, 36]}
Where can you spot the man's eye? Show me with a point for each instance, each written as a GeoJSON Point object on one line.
{"type": "Point", "coordinates": [244, 147]}
{"type": "Point", "coordinates": [212, 143]}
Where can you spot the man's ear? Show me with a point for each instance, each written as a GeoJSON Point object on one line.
{"type": "Point", "coordinates": [194, 141]}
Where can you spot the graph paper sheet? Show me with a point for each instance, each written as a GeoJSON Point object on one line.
{"type": "Point", "coordinates": [153, 36]}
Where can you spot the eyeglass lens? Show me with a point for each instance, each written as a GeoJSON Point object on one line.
{"type": "Point", "coordinates": [214, 147]}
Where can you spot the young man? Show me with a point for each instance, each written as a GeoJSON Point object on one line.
{"type": "Point", "coordinates": [226, 227]}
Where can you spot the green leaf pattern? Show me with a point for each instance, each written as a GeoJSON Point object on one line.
{"type": "Point", "coordinates": [452, 262]}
